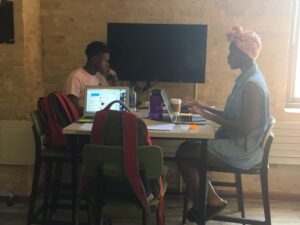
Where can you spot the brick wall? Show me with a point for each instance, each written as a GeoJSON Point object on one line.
{"type": "Point", "coordinates": [12, 71]}
{"type": "Point", "coordinates": [21, 83]}
{"type": "Point", "coordinates": [20, 64]}
{"type": "Point", "coordinates": [67, 26]}
{"type": "Point", "coordinates": [51, 36]}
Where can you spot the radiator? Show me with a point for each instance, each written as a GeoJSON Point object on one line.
{"type": "Point", "coordinates": [285, 148]}
{"type": "Point", "coordinates": [16, 143]}
{"type": "Point", "coordinates": [286, 145]}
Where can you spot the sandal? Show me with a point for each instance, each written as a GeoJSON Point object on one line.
{"type": "Point", "coordinates": [213, 210]}
{"type": "Point", "coordinates": [193, 214]}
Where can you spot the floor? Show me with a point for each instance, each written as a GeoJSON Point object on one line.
{"type": "Point", "coordinates": [283, 213]}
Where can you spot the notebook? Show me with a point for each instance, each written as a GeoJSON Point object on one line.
{"type": "Point", "coordinates": [182, 118]}
{"type": "Point", "coordinates": [97, 98]}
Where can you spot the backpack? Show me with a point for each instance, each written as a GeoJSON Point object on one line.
{"type": "Point", "coordinates": [124, 128]}
{"type": "Point", "coordinates": [56, 111]}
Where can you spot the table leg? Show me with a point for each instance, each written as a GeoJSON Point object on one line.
{"type": "Point", "coordinates": [75, 182]}
{"type": "Point", "coordinates": [203, 182]}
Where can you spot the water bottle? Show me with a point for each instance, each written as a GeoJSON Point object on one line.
{"type": "Point", "coordinates": [156, 108]}
{"type": "Point", "coordinates": [132, 98]}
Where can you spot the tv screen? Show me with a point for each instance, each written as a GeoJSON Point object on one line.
{"type": "Point", "coordinates": [6, 22]}
{"type": "Point", "coordinates": [158, 52]}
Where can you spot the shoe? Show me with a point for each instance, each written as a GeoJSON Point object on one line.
{"type": "Point", "coordinates": [213, 210]}
{"type": "Point", "coordinates": [193, 214]}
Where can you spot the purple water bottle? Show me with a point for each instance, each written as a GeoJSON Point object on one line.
{"type": "Point", "coordinates": [156, 109]}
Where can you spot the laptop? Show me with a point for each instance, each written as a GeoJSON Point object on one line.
{"type": "Point", "coordinates": [97, 98]}
{"type": "Point", "coordinates": [182, 118]}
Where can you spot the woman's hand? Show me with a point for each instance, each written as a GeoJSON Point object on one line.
{"type": "Point", "coordinates": [191, 102]}
{"type": "Point", "coordinates": [205, 114]}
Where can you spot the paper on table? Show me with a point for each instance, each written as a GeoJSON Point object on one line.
{"type": "Point", "coordinates": [185, 127]}
{"type": "Point", "coordinates": [86, 127]}
{"type": "Point", "coordinates": [162, 127]}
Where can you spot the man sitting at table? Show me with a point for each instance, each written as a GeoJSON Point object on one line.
{"type": "Point", "coordinates": [243, 122]}
{"type": "Point", "coordinates": [95, 72]}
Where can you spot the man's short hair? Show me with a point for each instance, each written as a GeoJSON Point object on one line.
{"type": "Point", "coordinates": [96, 48]}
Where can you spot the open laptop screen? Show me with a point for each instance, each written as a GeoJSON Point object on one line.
{"type": "Point", "coordinates": [166, 101]}
{"type": "Point", "coordinates": [97, 98]}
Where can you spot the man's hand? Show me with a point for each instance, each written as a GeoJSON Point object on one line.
{"type": "Point", "coordinates": [111, 73]}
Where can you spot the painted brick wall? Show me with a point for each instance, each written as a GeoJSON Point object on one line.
{"type": "Point", "coordinates": [67, 26]}
{"type": "Point", "coordinates": [20, 64]}
{"type": "Point", "coordinates": [51, 36]}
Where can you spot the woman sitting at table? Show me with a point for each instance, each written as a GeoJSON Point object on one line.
{"type": "Point", "coordinates": [243, 122]}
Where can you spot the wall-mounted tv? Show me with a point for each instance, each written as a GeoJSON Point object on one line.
{"type": "Point", "coordinates": [6, 21]}
{"type": "Point", "coordinates": [158, 52]}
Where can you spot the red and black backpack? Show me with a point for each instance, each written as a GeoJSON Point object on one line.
{"type": "Point", "coordinates": [126, 129]}
{"type": "Point", "coordinates": [56, 111]}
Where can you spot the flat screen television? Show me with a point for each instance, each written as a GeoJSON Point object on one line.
{"type": "Point", "coordinates": [158, 52]}
{"type": "Point", "coordinates": [6, 22]}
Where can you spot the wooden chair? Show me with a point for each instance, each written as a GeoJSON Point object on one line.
{"type": "Point", "coordinates": [50, 157]}
{"type": "Point", "coordinates": [107, 162]}
{"type": "Point", "coordinates": [261, 169]}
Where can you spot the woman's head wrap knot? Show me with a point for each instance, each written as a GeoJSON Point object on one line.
{"type": "Point", "coordinates": [248, 42]}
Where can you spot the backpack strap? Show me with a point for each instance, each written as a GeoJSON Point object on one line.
{"type": "Point", "coordinates": [69, 105]}
{"type": "Point", "coordinates": [149, 142]}
{"type": "Point", "coordinates": [98, 130]}
{"type": "Point", "coordinates": [63, 104]}
{"type": "Point", "coordinates": [130, 157]}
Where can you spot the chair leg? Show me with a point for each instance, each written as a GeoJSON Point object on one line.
{"type": "Point", "coordinates": [34, 191]}
{"type": "Point", "coordinates": [95, 214]}
{"type": "Point", "coordinates": [146, 218]}
{"type": "Point", "coordinates": [47, 190]}
{"type": "Point", "coordinates": [185, 206]}
{"type": "Point", "coordinates": [265, 195]}
{"type": "Point", "coordinates": [239, 194]}
{"type": "Point", "coordinates": [158, 217]}
{"type": "Point", "coordinates": [56, 188]}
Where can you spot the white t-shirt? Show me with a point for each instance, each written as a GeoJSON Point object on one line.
{"type": "Point", "coordinates": [80, 78]}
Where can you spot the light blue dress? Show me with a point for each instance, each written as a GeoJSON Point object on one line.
{"type": "Point", "coordinates": [231, 146]}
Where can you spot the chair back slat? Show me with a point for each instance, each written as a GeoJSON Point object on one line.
{"type": "Point", "coordinates": [266, 142]}
{"type": "Point", "coordinates": [38, 132]}
{"type": "Point", "coordinates": [267, 132]}
{"type": "Point", "coordinates": [265, 160]}
{"type": "Point", "coordinates": [37, 123]}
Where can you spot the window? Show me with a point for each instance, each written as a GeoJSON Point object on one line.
{"type": "Point", "coordinates": [293, 90]}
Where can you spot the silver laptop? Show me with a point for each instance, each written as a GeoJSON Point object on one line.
{"type": "Point", "coordinates": [182, 118]}
{"type": "Point", "coordinates": [97, 98]}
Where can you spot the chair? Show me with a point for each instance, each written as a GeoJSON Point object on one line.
{"type": "Point", "coordinates": [49, 156]}
{"type": "Point", "coordinates": [261, 169]}
{"type": "Point", "coordinates": [107, 161]}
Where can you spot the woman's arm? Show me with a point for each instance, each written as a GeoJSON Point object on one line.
{"type": "Point", "coordinates": [194, 103]}
{"type": "Point", "coordinates": [213, 110]}
{"type": "Point", "coordinates": [251, 105]}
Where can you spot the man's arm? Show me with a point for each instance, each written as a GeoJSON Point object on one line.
{"type": "Point", "coordinates": [251, 104]}
{"type": "Point", "coordinates": [73, 87]}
